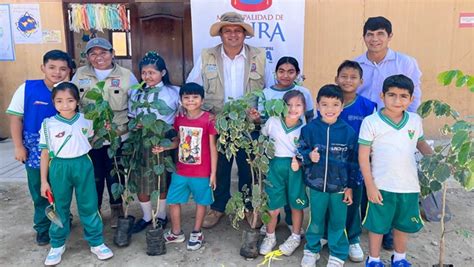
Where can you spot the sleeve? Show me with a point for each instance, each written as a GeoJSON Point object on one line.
{"type": "Point", "coordinates": [266, 127]}
{"type": "Point", "coordinates": [354, 168]}
{"type": "Point", "coordinates": [90, 130]}
{"type": "Point", "coordinates": [421, 136]}
{"type": "Point", "coordinates": [269, 75]}
{"type": "Point", "coordinates": [43, 143]}
{"type": "Point", "coordinates": [195, 74]}
{"type": "Point", "coordinates": [304, 145]}
{"type": "Point", "coordinates": [17, 104]}
{"type": "Point", "coordinates": [212, 125]}
{"type": "Point", "coordinates": [176, 123]}
{"type": "Point", "coordinates": [413, 71]}
{"type": "Point", "coordinates": [132, 113]}
{"type": "Point", "coordinates": [366, 134]}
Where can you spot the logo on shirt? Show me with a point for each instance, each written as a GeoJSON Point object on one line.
{"type": "Point", "coordinates": [251, 5]}
{"type": "Point", "coordinates": [211, 67]}
{"type": "Point", "coordinates": [60, 135]}
{"type": "Point", "coordinates": [84, 82]}
{"type": "Point", "coordinates": [84, 131]}
{"type": "Point", "coordinates": [253, 67]}
{"type": "Point", "coordinates": [115, 83]}
{"type": "Point", "coordinates": [411, 133]}
{"type": "Point", "coordinates": [295, 141]}
{"type": "Point", "coordinates": [37, 102]}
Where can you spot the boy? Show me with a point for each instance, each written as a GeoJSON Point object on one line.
{"type": "Point", "coordinates": [328, 148]}
{"type": "Point", "coordinates": [196, 166]}
{"type": "Point", "coordinates": [29, 106]}
{"type": "Point", "coordinates": [356, 108]}
{"type": "Point", "coordinates": [390, 138]}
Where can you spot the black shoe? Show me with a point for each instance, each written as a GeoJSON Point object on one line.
{"type": "Point", "coordinates": [162, 223]}
{"type": "Point", "coordinates": [42, 239]}
{"type": "Point", "coordinates": [140, 226]}
{"type": "Point", "coordinates": [3, 139]}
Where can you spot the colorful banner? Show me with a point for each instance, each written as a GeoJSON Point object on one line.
{"type": "Point", "coordinates": [7, 50]}
{"type": "Point", "coordinates": [26, 24]}
{"type": "Point", "coordinates": [278, 25]}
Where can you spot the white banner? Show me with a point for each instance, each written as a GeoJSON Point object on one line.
{"type": "Point", "coordinates": [278, 25]}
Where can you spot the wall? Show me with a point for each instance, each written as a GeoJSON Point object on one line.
{"type": "Point", "coordinates": [426, 30]}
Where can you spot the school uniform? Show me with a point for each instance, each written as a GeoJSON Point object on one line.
{"type": "Point", "coordinates": [32, 101]}
{"type": "Point", "coordinates": [275, 93]}
{"type": "Point", "coordinates": [67, 141]}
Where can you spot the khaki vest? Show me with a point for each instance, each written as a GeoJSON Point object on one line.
{"type": "Point", "coordinates": [212, 71]}
{"type": "Point", "coordinates": [116, 88]}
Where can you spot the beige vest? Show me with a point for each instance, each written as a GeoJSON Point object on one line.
{"type": "Point", "coordinates": [116, 88]}
{"type": "Point", "coordinates": [212, 71]}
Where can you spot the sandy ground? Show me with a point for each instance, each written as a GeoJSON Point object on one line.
{"type": "Point", "coordinates": [17, 246]}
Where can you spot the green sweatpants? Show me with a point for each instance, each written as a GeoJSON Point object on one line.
{"type": "Point", "coordinates": [322, 204]}
{"type": "Point", "coordinates": [66, 175]}
{"type": "Point", "coordinates": [40, 221]}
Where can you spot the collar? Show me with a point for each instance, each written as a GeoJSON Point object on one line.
{"type": "Point", "coordinates": [388, 57]}
{"type": "Point", "coordinates": [70, 121]}
{"type": "Point", "coordinates": [290, 129]}
{"type": "Point", "coordinates": [89, 71]}
{"type": "Point", "coordinates": [283, 89]}
{"type": "Point", "coordinates": [352, 102]}
{"type": "Point", "coordinates": [396, 126]}
{"type": "Point", "coordinates": [241, 54]}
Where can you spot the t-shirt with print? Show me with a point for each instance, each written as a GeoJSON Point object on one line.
{"type": "Point", "coordinates": [393, 147]}
{"type": "Point", "coordinates": [194, 153]}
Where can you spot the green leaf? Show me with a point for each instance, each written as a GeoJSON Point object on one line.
{"type": "Point", "coordinates": [441, 109]}
{"type": "Point", "coordinates": [161, 107]}
{"type": "Point", "coordinates": [461, 80]}
{"type": "Point", "coordinates": [233, 115]}
{"type": "Point", "coordinates": [266, 217]}
{"type": "Point", "coordinates": [425, 108]}
{"type": "Point", "coordinates": [464, 153]}
{"type": "Point", "coordinates": [111, 152]}
{"type": "Point", "coordinates": [458, 139]}
{"type": "Point", "coordinates": [148, 120]}
{"type": "Point", "coordinates": [442, 172]}
{"type": "Point", "coordinates": [165, 142]}
{"type": "Point", "coordinates": [117, 190]}
{"type": "Point", "coordinates": [100, 85]}
{"type": "Point", "coordinates": [169, 164]}
{"type": "Point", "coordinates": [159, 169]}
{"type": "Point", "coordinates": [435, 186]}
{"type": "Point", "coordinates": [446, 77]}
{"type": "Point", "coordinates": [469, 184]}
{"type": "Point", "coordinates": [93, 95]}
{"type": "Point", "coordinates": [155, 195]}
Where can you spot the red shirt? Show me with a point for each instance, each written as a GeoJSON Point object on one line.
{"type": "Point", "coordinates": [194, 153]}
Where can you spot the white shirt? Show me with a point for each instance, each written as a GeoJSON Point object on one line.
{"type": "Point", "coordinates": [17, 105]}
{"type": "Point", "coordinates": [285, 139]}
{"type": "Point", "coordinates": [66, 138]}
{"type": "Point", "coordinates": [272, 93]}
{"type": "Point", "coordinates": [393, 148]}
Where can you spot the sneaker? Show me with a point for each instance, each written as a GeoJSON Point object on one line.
{"type": "Point", "coordinates": [172, 238]}
{"type": "Point", "coordinates": [290, 245]}
{"type": "Point", "coordinates": [212, 218]}
{"type": "Point", "coordinates": [335, 262]}
{"type": "Point", "coordinates": [400, 263]}
{"type": "Point", "coordinates": [140, 226]}
{"type": "Point", "coordinates": [374, 263]}
{"type": "Point", "coordinates": [355, 253]}
{"type": "Point", "coordinates": [267, 245]}
{"type": "Point", "coordinates": [42, 239]}
{"type": "Point", "coordinates": [161, 223]}
{"type": "Point", "coordinates": [323, 242]}
{"type": "Point", "coordinates": [195, 240]}
{"type": "Point", "coordinates": [290, 227]}
{"type": "Point", "coordinates": [263, 230]}
{"type": "Point", "coordinates": [309, 259]}
{"type": "Point", "coordinates": [102, 252]}
{"type": "Point", "coordinates": [54, 256]}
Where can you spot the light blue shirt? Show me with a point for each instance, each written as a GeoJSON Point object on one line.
{"type": "Point", "coordinates": [375, 74]}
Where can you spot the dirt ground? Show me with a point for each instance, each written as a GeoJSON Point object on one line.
{"type": "Point", "coordinates": [221, 248]}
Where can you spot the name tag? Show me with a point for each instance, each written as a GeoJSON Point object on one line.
{"type": "Point", "coordinates": [85, 82]}
{"type": "Point", "coordinates": [211, 67]}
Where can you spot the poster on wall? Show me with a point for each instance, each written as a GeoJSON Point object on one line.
{"type": "Point", "coordinates": [7, 50]}
{"type": "Point", "coordinates": [26, 24]}
{"type": "Point", "coordinates": [278, 25]}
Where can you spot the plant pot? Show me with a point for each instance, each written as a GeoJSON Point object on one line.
{"type": "Point", "coordinates": [249, 248]}
{"type": "Point", "coordinates": [123, 233]}
{"type": "Point", "coordinates": [444, 265]}
{"type": "Point", "coordinates": [155, 242]}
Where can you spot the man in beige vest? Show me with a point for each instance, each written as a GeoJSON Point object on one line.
{"type": "Point", "coordinates": [229, 70]}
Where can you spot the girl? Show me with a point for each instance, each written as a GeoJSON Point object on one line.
{"type": "Point", "coordinates": [155, 75]}
{"type": "Point", "coordinates": [285, 175]}
{"type": "Point", "coordinates": [64, 140]}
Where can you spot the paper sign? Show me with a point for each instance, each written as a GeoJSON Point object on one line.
{"type": "Point", "coordinates": [26, 23]}
{"type": "Point", "coordinates": [7, 50]}
{"type": "Point", "coordinates": [51, 36]}
{"type": "Point", "coordinates": [466, 20]}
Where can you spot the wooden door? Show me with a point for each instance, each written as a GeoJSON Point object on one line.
{"type": "Point", "coordinates": [166, 29]}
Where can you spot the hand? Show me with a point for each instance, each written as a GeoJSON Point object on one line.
{"type": "Point", "coordinates": [253, 114]}
{"type": "Point", "coordinates": [139, 126]}
{"type": "Point", "coordinates": [157, 149]}
{"type": "Point", "coordinates": [45, 187]}
{"type": "Point", "coordinates": [212, 182]}
{"type": "Point", "coordinates": [314, 155]}
{"type": "Point", "coordinates": [108, 125]}
{"type": "Point", "coordinates": [21, 154]}
{"type": "Point", "coordinates": [295, 166]}
{"type": "Point", "coordinates": [347, 196]}
{"type": "Point", "coordinates": [373, 195]}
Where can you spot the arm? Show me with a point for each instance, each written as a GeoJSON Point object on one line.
{"type": "Point", "coordinates": [213, 146]}
{"type": "Point", "coordinates": [44, 168]}
{"type": "Point", "coordinates": [415, 74]}
{"type": "Point", "coordinates": [195, 74]}
{"type": "Point", "coordinates": [424, 148]}
{"type": "Point", "coordinates": [373, 193]}
{"type": "Point", "coordinates": [16, 129]}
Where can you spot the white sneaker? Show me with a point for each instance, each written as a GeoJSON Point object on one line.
{"type": "Point", "coordinates": [263, 229]}
{"type": "Point", "coordinates": [355, 253]}
{"type": "Point", "coordinates": [267, 245]}
{"type": "Point", "coordinates": [102, 252]}
{"type": "Point", "coordinates": [290, 227]}
{"type": "Point", "coordinates": [290, 245]}
{"type": "Point", "coordinates": [323, 242]}
{"type": "Point", "coordinates": [54, 256]}
{"type": "Point", "coordinates": [335, 262]}
{"type": "Point", "coordinates": [309, 259]}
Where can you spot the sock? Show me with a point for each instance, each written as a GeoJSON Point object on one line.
{"type": "Point", "coordinates": [272, 235]}
{"type": "Point", "coordinates": [162, 209]}
{"type": "Point", "coordinates": [295, 236]}
{"type": "Point", "coordinates": [371, 259]}
{"type": "Point", "coordinates": [398, 256]}
{"type": "Point", "coordinates": [196, 231]}
{"type": "Point", "coordinates": [146, 209]}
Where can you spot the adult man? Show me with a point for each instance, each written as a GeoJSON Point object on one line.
{"type": "Point", "coordinates": [380, 61]}
{"type": "Point", "coordinates": [229, 69]}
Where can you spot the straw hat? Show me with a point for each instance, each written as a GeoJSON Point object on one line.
{"type": "Point", "coordinates": [231, 18]}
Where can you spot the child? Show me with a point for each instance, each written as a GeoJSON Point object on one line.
{"type": "Point", "coordinates": [390, 138]}
{"type": "Point", "coordinates": [356, 108]}
{"type": "Point", "coordinates": [328, 147]}
{"type": "Point", "coordinates": [155, 75]}
{"type": "Point", "coordinates": [65, 143]}
{"type": "Point", "coordinates": [285, 177]}
{"type": "Point", "coordinates": [196, 166]}
{"type": "Point", "coordinates": [30, 104]}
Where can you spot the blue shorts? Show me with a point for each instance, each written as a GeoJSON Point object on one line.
{"type": "Point", "coordinates": [181, 187]}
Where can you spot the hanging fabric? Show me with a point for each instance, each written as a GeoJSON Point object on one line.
{"type": "Point", "coordinates": [98, 17]}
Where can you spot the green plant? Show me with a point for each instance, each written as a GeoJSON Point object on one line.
{"type": "Point", "coordinates": [146, 132]}
{"type": "Point", "coordinates": [235, 133]}
{"type": "Point", "coordinates": [453, 159]}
